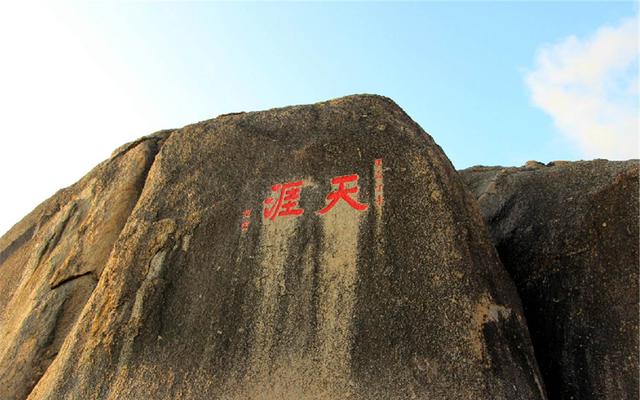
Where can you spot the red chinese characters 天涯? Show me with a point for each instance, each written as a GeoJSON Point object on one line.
{"type": "Point", "coordinates": [286, 201]}
{"type": "Point", "coordinates": [343, 192]}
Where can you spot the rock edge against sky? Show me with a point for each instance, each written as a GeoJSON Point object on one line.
{"type": "Point", "coordinates": [318, 251]}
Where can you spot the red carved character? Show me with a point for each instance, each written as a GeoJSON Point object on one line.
{"type": "Point", "coordinates": [246, 215]}
{"type": "Point", "coordinates": [244, 226]}
{"type": "Point", "coordinates": [344, 193]}
{"type": "Point", "coordinates": [287, 201]}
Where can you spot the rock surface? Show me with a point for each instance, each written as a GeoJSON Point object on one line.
{"type": "Point", "coordinates": [51, 261]}
{"type": "Point", "coordinates": [324, 251]}
{"type": "Point", "coordinates": [568, 234]}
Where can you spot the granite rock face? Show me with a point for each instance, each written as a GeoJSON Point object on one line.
{"type": "Point", "coordinates": [568, 234]}
{"type": "Point", "coordinates": [51, 261]}
{"type": "Point", "coordinates": [324, 251]}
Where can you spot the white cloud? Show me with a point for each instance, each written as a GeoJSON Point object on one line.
{"type": "Point", "coordinates": [590, 88]}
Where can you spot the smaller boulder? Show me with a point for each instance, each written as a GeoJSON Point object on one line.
{"type": "Point", "coordinates": [568, 234]}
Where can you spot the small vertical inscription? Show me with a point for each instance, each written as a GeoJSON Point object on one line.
{"type": "Point", "coordinates": [379, 185]}
{"type": "Point", "coordinates": [246, 220]}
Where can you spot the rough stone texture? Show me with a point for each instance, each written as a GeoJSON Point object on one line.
{"type": "Point", "coordinates": [51, 260]}
{"type": "Point", "coordinates": [406, 299]}
{"type": "Point", "coordinates": [568, 234]}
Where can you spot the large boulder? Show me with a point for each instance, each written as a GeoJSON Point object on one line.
{"type": "Point", "coordinates": [324, 251]}
{"type": "Point", "coordinates": [568, 234]}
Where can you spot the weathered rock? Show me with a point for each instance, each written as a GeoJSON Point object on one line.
{"type": "Point", "coordinates": [51, 260]}
{"type": "Point", "coordinates": [568, 234]}
{"type": "Point", "coordinates": [394, 292]}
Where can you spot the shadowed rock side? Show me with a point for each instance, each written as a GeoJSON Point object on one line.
{"type": "Point", "coordinates": [227, 283]}
{"type": "Point", "coordinates": [568, 234]}
{"type": "Point", "coordinates": [51, 260]}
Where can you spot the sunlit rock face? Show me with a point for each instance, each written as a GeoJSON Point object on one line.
{"type": "Point", "coordinates": [327, 251]}
{"type": "Point", "coordinates": [51, 261]}
{"type": "Point", "coordinates": [568, 234]}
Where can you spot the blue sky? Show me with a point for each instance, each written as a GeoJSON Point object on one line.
{"type": "Point", "coordinates": [456, 68]}
{"type": "Point", "coordinates": [84, 78]}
